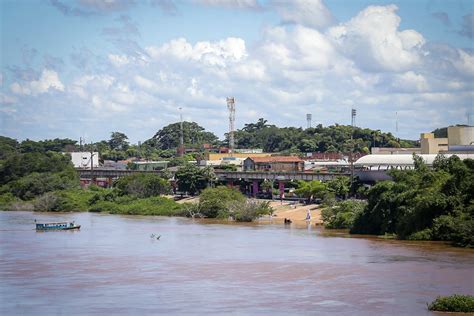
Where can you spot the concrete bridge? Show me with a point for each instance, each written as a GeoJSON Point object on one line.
{"type": "Point", "coordinates": [222, 175]}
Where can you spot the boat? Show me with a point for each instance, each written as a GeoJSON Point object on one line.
{"type": "Point", "coordinates": [57, 226]}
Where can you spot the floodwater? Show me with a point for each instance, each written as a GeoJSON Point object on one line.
{"type": "Point", "coordinates": [112, 267]}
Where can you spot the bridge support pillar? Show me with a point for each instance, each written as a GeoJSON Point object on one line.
{"type": "Point", "coordinates": [109, 182]}
{"type": "Point", "coordinates": [230, 183]}
{"type": "Point", "coordinates": [255, 188]}
{"type": "Point", "coordinates": [281, 188]}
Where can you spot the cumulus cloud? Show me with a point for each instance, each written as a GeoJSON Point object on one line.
{"type": "Point", "coordinates": [210, 53]}
{"type": "Point", "coordinates": [49, 80]}
{"type": "Point", "coordinates": [311, 13]}
{"type": "Point", "coordinates": [372, 39]}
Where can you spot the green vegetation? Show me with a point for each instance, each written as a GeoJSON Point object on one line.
{"type": "Point", "coordinates": [192, 179]}
{"type": "Point", "coordinates": [423, 204]}
{"type": "Point", "coordinates": [223, 202]}
{"type": "Point", "coordinates": [453, 303]}
{"type": "Point", "coordinates": [143, 185]}
{"type": "Point", "coordinates": [311, 189]}
{"type": "Point", "coordinates": [343, 214]}
{"type": "Point", "coordinates": [335, 138]}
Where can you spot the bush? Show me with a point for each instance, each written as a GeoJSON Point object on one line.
{"type": "Point", "coordinates": [425, 234]}
{"type": "Point", "coordinates": [143, 185]}
{"type": "Point", "coordinates": [249, 210]}
{"type": "Point", "coordinates": [216, 201]}
{"type": "Point", "coordinates": [343, 214]}
{"type": "Point", "coordinates": [453, 303]}
{"type": "Point", "coordinates": [48, 202]}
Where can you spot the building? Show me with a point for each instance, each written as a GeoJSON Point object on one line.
{"type": "Point", "coordinates": [395, 151]}
{"type": "Point", "coordinates": [220, 156]}
{"type": "Point", "coordinates": [372, 168]}
{"type": "Point", "coordinates": [274, 164]}
{"type": "Point", "coordinates": [431, 145]}
{"type": "Point", "coordinates": [83, 159]}
{"type": "Point", "coordinates": [460, 139]}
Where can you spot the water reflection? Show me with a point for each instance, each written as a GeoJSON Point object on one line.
{"type": "Point", "coordinates": [112, 266]}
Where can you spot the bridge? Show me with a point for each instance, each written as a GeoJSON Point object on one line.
{"type": "Point", "coordinates": [221, 175]}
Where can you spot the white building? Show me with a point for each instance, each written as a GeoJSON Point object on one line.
{"type": "Point", "coordinates": [83, 159]}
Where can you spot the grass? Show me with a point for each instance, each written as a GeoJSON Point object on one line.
{"type": "Point", "coordinates": [454, 303]}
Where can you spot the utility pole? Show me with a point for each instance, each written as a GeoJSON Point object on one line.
{"type": "Point", "coordinates": [353, 116]}
{"type": "Point", "coordinates": [181, 133]}
{"type": "Point", "coordinates": [231, 108]}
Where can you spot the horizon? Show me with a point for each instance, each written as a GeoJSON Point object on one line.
{"type": "Point", "coordinates": [83, 68]}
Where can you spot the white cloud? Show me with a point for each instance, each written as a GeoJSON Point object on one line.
{"type": "Point", "coordinates": [118, 60]}
{"type": "Point", "coordinates": [49, 80]}
{"type": "Point", "coordinates": [373, 42]}
{"type": "Point", "coordinates": [219, 53]}
{"type": "Point", "coordinates": [410, 82]}
{"type": "Point", "coordinates": [311, 13]}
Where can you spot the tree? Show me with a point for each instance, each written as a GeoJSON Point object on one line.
{"type": "Point", "coordinates": [216, 201]}
{"type": "Point", "coordinates": [143, 185]}
{"type": "Point", "coordinates": [192, 179]}
{"type": "Point", "coordinates": [311, 189]}
{"type": "Point", "coordinates": [118, 141]}
{"type": "Point", "coordinates": [193, 135]}
{"type": "Point", "coordinates": [339, 185]}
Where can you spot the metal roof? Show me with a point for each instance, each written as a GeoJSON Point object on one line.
{"type": "Point", "coordinates": [400, 160]}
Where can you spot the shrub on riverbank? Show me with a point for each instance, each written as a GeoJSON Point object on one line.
{"type": "Point", "coordinates": [343, 214]}
{"type": "Point", "coordinates": [223, 202]}
{"type": "Point", "coordinates": [423, 204]}
{"type": "Point", "coordinates": [453, 303]}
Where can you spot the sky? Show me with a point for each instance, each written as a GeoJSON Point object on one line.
{"type": "Point", "coordinates": [86, 68]}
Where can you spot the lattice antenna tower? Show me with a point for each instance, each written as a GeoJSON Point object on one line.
{"type": "Point", "coordinates": [308, 120]}
{"type": "Point", "coordinates": [231, 108]}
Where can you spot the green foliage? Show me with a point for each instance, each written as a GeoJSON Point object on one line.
{"type": "Point", "coordinates": [249, 210]}
{"type": "Point", "coordinates": [323, 139]}
{"type": "Point", "coordinates": [143, 185]}
{"type": "Point", "coordinates": [340, 186]}
{"type": "Point", "coordinates": [118, 141]}
{"type": "Point", "coordinates": [454, 303]}
{"type": "Point", "coordinates": [193, 134]}
{"type": "Point", "coordinates": [343, 214]}
{"type": "Point", "coordinates": [423, 204]}
{"type": "Point", "coordinates": [216, 201]}
{"type": "Point", "coordinates": [311, 189]}
{"type": "Point", "coordinates": [18, 165]}
{"type": "Point", "coordinates": [192, 179]}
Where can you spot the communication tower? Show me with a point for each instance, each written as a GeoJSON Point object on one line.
{"type": "Point", "coordinates": [231, 108]}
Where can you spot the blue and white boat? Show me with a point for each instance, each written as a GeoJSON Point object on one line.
{"type": "Point", "coordinates": [57, 226]}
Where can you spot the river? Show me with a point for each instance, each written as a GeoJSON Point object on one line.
{"type": "Point", "coordinates": [113, 266]}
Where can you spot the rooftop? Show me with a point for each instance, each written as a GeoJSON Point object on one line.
{"type": "Point", "coordinates": [277, 159]}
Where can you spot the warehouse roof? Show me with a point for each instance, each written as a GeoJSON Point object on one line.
{"type": "Point", "coordinates": [400, 160]}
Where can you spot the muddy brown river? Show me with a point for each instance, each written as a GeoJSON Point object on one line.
{"type": "Point", "coordinates": [113, 267]}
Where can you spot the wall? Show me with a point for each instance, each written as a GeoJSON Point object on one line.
{"type": "Point", "coordinates": [460, 135]}
{"type": "Point", "coordinates": [83, 159]}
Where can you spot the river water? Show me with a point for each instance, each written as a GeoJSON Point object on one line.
{"type": "Point", "coordinates": [112, 266]}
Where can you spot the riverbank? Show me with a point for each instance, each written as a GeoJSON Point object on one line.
{"type": "Point", "coordinates": [281, 210]}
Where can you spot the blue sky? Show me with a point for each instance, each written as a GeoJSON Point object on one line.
{"type": "Point", "coordinates": [89, 67]}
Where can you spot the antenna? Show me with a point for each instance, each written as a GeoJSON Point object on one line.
{"type": "Point", "coordinates": [308, 120]}
{"type": "Point", "coordinates": [231, 108]}
{"type": "Point", "coordinates": [181, 133]}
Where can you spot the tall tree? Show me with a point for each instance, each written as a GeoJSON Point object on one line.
{"type": "Point", "coordinates": [193, 134]}
{"type": "Point", "coordinates": [118, 141]}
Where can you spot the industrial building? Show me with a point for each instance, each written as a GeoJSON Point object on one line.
{"type": "Point", "coordinates": [460, 139]}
